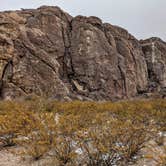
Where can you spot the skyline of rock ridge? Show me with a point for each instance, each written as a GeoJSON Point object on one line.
{"type": "Point", "coordinates": [47, 52]}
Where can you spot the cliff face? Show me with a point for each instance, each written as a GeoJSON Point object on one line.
{"type": "Point", "coordinates": [47, 52]}
{"type": "Point", "coordinates": [155, 55]}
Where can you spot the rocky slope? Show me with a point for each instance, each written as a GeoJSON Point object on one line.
{"type": "Point", "coordinates": [47, 52]}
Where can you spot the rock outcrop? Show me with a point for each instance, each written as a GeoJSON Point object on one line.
{"type": "Point", "coordinates": [47, 52]}
{"type": "Point", "coordinates": [155, 55]}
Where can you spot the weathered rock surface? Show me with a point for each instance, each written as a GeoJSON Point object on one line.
{"type": "Point", "coordinates": [47, 52]}
{"type": "Point", "coordinates": [155, 55]}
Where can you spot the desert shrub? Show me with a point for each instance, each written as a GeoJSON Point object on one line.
{"type": "Point", "coordinates": [112, 143]}
{"type": "Point", "coordinates": [42, 138]}
{"type": "Point", "coordinates": [14, 122]}
{"type": "Point", "coordinates": [105, 132]}
{"type": "Point", "coordinates": [64, 151]}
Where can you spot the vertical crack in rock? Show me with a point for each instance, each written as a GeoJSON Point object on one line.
{"type": "Point", "coordinates": [67, 59]}
{"type": "Point", "coordinates": [124, 81]}
{"type": "Point", "coordinates": [7, 75]}
{"type": "Point", "coordinates": [68, 69]}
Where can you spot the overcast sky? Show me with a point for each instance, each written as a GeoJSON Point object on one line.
{"type": "Point", "coordinates": [142, 18]}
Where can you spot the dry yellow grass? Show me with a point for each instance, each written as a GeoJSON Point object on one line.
{"type": "Point", "coordinates": [76, 132]}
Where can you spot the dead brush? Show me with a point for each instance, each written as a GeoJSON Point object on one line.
{"type": "Point", "coordinates": [112, 143]}
{"type": "Point", "coordinates": [42, 138]}
{"type": "Point", "coordinates": [64, 152]}
{"type": "Point", "coordinates": [14, 121]}
{"type": "Point", "coordinates": [107, 133]}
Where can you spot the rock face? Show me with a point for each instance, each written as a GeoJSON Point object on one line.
{"type": "Point", "coordinates": [155, 55]}
{"type": "Point", "coordinates": [47, 52]}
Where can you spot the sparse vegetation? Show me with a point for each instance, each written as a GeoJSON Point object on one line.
{"type": "Point", "coordinates": [73, 133]}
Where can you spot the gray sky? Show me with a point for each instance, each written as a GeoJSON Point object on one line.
{"type": "Point", "coordinates": [142, 18]}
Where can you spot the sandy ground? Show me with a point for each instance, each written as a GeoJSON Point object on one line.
{"type": "Point", "coordinates": [8, 158]}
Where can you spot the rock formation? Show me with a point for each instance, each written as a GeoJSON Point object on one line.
{"type": "Point", "coordinates": [155, 55]}
{"type": "Point", "coordinates": [47, 52]}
